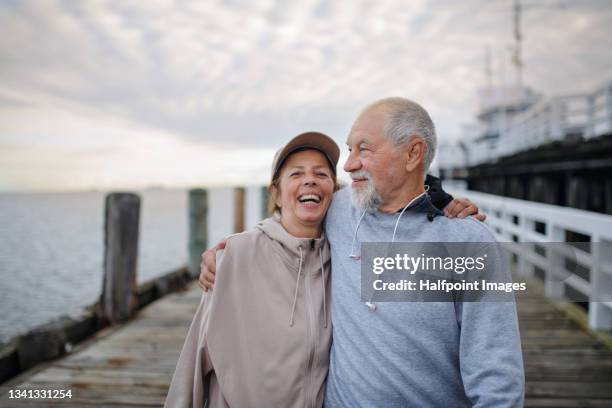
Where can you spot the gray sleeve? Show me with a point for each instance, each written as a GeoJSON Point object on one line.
{"type": "Point", "coordinates": [490, 355]}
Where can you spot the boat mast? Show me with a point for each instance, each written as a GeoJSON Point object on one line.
{"type": "Point", "coordinates": [517, 58]}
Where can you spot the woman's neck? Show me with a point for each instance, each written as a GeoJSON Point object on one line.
{"type": "Point", "coordinates": [300, 230]}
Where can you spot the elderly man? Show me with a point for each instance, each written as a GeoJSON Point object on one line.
{"type": "Point", "coordinates": [399, 354]}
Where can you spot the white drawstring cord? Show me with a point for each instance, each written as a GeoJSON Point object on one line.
{"type": "Point", "coordinates": [400, 216]}
{"type": "Point", "coordinates": [352, 255]}
{"type": "Point", "coordinates": [297, 283]}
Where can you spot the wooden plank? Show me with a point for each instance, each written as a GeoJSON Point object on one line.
{"type": "Point", "coordinates": [571, 373]}
{"type": "Point", "coordinates": [567, 403]}
{"type": "Point", "coordinates": [583, 389]}
{"type": "Point", "coordinates": [65, 375]}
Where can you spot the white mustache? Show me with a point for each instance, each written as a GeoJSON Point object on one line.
{"type": "Point", "coordinates": [360, 175]}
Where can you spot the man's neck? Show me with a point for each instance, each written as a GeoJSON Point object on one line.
{"type": "Point", "coordinates": [402, 198]}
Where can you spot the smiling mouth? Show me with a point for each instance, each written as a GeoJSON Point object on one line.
{"type": "Point", "coordinates": [309, 198]}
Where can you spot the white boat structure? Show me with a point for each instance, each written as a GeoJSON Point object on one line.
{"type": "Point", "coordinates": [555, 150]}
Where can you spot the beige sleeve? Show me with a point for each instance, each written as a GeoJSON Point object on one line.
{"type": "Point", "coordinates": [187, 388]}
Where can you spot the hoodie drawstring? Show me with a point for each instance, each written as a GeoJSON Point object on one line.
{"type": "Point", "coordinates": [324, 288]}
{"type": "Point", "coordinates": [323, 285]}
{"type": "Point", "coordinates": [352, 255]}
{"type": "Point", "coordinates": [402, 213]}
{"type": "Point", "coordinates": [297, 283]}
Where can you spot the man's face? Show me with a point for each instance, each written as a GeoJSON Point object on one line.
{"type": "Point", "coordinates": [375, 164]}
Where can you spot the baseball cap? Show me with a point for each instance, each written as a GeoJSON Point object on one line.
{"type": "Point", "coordinates": [308, 140]}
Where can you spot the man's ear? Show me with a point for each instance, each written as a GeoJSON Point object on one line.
{"type": "Point", "coordinates": [415, 154]}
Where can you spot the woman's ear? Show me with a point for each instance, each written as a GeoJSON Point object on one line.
{"type": "Point", "coordinates": [276, 196]}
{"type": "Point", "coordinates": [415, 154]}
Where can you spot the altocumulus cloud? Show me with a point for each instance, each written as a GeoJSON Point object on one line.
{"type": "Point", "coordinates": [248, 75]}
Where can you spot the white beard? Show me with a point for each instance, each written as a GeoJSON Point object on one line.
{"type": "Point", "coordinates": [365, 198]}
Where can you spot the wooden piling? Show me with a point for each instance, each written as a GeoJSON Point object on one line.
{"type": "Point", "coordinates": [239, 199]}
{"type": "Point", "coordinates": [122, 216]}
{"type": "Point", "coordinates": [198, 228]}
{"type": "Point", "coordinates": [265, 194]}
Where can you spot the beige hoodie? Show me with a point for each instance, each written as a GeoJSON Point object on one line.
{"type": "Point", "coordinates": [261, 338]}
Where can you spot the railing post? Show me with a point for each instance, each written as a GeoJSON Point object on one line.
{"type": "Point", "coordinates": [553, 284]}
{"type": "Point", "coordinates": [600, 316]}
{"type": "Point", "coordinates": [507, 218]}
{"type": "Point", "coordinates": [198, 228]}
{"type": "Point", "coordinates": [122, 217]}
{"type": "Point", "coordinates": [527, 225]}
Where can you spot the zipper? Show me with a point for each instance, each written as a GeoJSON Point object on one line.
{"type": "Point", "coordinates": [309, 400]}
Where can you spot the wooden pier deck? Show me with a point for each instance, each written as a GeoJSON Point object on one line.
{"type": "Point", "coordinates": [131, 365]}
{"type": "Point", "coordinates": [565, 365]}
{"type": "Point", "coordinates": [126, 366]}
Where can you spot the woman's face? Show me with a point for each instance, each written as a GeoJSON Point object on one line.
{"type": "Point", "coordinates": [306, 188]}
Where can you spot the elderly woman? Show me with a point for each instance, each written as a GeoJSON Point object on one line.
{"type": "Point", "coordinates": [262, 337]}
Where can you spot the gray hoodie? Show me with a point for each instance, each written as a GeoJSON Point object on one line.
{"type": "Point", "coordinates": [261, 338]}
{"type": "Point", "coordinates": [415, 354]}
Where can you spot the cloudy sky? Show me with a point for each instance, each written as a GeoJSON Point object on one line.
{"type": "Point", "coordinates": [126, 94]}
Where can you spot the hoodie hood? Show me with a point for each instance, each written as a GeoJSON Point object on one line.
{"type": "Point", "coordinates": [273, 229]}
{"type": "Point", "coordinates": [424, 204]}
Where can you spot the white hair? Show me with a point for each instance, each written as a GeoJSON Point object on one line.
{"type": "Point", "coordinates": [407, 120]}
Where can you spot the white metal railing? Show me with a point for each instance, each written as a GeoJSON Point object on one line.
{"type": "Point", "coordinates": [586, 115]}
{"type": "Point", "coordinates": [530, 223]}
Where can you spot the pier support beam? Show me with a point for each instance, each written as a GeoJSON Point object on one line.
{"type": "Point", "coordinates": [198, 228]}
{"type": "Point", "coordinates": [122, 219]}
